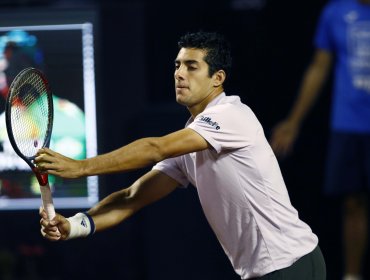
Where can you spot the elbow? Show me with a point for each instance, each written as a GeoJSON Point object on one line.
{"type": "Point", "coordinates": [157, 150]}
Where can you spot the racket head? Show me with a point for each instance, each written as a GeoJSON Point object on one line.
{"type": "Point", "coordinates": [29, 114]}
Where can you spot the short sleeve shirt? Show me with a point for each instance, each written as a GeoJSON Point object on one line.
{"type": "Point", "coordinates": [241, 190]}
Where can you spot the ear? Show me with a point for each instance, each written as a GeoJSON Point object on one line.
{"type": "Point", "coordinates": [219, 78]}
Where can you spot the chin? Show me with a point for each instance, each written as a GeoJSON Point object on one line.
{"type": "Point", "coordinates": [180, 100]}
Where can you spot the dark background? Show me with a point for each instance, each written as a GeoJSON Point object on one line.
{"type": "Point", "coordinates": [136, 43]}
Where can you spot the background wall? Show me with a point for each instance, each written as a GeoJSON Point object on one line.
{"type": "Point", "coordinates": [136, 46]}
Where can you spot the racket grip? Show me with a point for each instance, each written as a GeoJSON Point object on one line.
{"type": "Point", "coordinates": [47, 201]}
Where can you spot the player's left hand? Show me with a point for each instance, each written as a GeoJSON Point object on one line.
{"type": "Point", "coordinates": [56, 229]}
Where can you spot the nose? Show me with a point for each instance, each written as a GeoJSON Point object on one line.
{"type": "Point", "coordinates": [179, 73]}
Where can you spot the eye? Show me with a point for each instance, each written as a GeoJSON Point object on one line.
{"type": "Point", "coordinates": [192, 68]}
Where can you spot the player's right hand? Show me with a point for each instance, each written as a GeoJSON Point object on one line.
{"type": "Point", "coordinates": [56, 229]}
{"type": "Point", "coordinates": [283, 138]}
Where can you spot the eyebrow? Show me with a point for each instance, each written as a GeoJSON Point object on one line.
{"type": "Point", "coordinates": [187, 62]}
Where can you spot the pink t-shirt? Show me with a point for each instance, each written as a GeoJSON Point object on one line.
{"type": "Point", "coordinates": [242, 191]}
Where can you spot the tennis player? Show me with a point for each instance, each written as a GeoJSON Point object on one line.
{"type": "Point", "coordinates": [223, 152]}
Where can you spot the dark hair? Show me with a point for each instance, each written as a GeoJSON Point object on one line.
{"type": "Point", "coordinates": [218, 55]}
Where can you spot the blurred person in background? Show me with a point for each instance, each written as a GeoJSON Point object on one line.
{"type": "Point", "coordinates": [342, 41]}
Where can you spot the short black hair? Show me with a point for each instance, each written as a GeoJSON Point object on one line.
{"type": "Point", "coordinates": [218, 54]}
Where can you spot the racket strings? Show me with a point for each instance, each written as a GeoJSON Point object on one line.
{"type": "Point", "coordinates": [30, 113]}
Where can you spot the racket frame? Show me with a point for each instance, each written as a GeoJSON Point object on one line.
{"type": "Point", "coordinates": [41, 177]}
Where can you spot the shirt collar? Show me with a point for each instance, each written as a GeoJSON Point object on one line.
{"type": "Point", "coordinates": [214, 102]}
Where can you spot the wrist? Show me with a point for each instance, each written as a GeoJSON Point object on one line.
{"type": "Point", "coordinates": [81, 225]}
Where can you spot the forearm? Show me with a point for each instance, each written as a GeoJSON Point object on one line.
{"type": "Point", "coordinates": [112, 210]}
{"type": "Point", "coordinates": [311, 87]}
{"type": "Point", "coordinates": [121, 205]}
{"type": "Point", "coordinates": [135, 155]}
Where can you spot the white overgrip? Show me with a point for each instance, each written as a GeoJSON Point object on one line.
{"type": "Point", "coordinates": [47, 201]}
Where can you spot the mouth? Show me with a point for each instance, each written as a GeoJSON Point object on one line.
{"type": "Point", "coordinates": [181, 87]}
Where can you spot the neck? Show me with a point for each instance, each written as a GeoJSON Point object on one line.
{"type": "Point", "coordinates": [198, 108]}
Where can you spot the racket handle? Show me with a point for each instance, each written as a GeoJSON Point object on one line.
{"type": "Point", "coordinates": [47, 201]}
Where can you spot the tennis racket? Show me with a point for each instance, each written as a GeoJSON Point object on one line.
{"type": "Point", "coordinates": [29, 122]}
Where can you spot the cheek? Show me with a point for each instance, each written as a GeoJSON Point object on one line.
{"type": "Point", "coordinates": [204, 84]}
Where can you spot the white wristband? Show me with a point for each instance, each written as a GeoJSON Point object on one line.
{"type": "Point", "coordinates": [81, 225]}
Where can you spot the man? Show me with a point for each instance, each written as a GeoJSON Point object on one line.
{"type": "Point", "coordinates": [222, 152]}
{"type": "Point", "coordinates": [342, 39]}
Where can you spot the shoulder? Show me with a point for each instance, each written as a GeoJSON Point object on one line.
{"type": "Point", "coordinates": [225, 102]}
{"type": "Point", "coordinates": [228, 106]}
{"type": "Point", "coordinates": [329, 10]}
{"type": "Point", "coordinates": [336, 8]}
{"type": "Point", "coordinates": [228, 113]}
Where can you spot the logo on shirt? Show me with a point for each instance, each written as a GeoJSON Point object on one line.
{"type": "Point", "coordinates": [351, 17]}
{"type": "Point", "coordinates": [209, 121]}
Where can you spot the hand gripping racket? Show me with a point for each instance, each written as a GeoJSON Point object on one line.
{"type": "Point", "coordinates": [29, 122]}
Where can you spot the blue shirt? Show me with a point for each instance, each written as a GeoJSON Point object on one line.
{"type": "Point", "coordinates": [344, 30]}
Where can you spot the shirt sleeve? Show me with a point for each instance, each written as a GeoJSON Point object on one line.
{"type": "Point", "coordinates": [324, 36]}
{"type": "Point", "coordinates": [226, 127]}
{"type": "Point", "coordinates": [171, 167]}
